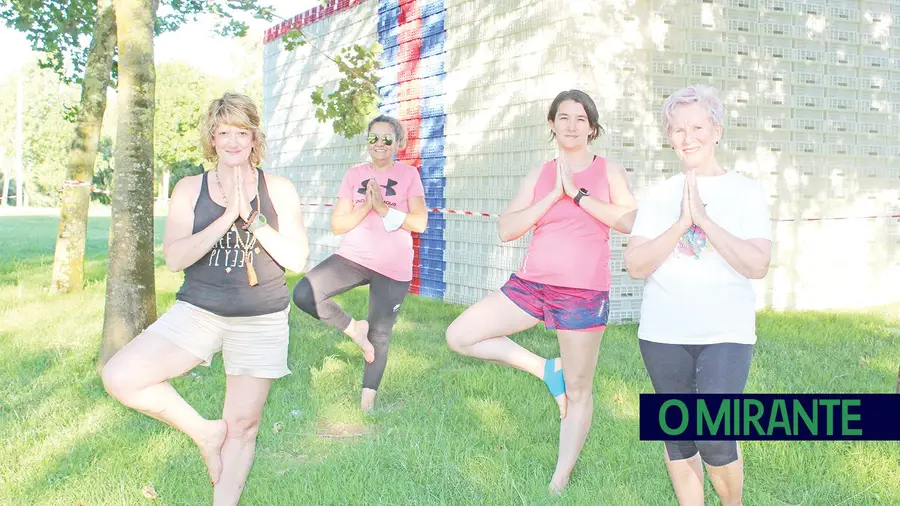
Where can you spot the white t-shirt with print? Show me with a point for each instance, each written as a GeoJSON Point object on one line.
{"type": "Point", "coordinates": [695, 297]}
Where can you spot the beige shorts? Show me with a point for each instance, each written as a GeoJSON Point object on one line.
{"type": "Point", "coordinates": [251, 345]}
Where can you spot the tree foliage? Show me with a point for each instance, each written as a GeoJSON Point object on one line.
{"type": "Point", "coordinates": [351, 103]}
{"type": "Point", "coordinates": [46, 133]}
{"type": "Point", "coordinates": [61, 30]}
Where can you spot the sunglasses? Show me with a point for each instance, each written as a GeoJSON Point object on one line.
{"type": "Point", "coordinates": [386, 139]}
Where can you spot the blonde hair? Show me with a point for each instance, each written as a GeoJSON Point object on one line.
{"type": "Point", "coordinates": [238, 111]}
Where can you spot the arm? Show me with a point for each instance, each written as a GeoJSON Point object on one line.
{"type": "Point", "coordinates": [750, 257]}
{"type": "Point", "coordinates": [520, 215]}
{"type": "Point", "coordinates": [345, 218]}
{"type": "Point", "coordinates": [289, 245]}
{"type": "Point", "coordinates": [620, 212]}
{"type": "Point", "coordinates": [181, 247]}
{"type": "Point", "coordinates": [644, 254]}
{"type": "Point", "coordinates": [417, 218]}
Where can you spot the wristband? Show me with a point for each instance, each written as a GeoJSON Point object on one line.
{"type": "Point", "coordinates": [393, 219]}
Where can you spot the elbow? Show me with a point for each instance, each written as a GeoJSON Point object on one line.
{"type": "Point", "coordinates": [633, 269]}
{"type": "Point", "coordinates": [171, 263]}
{"type": "Point", "coordinates": [759, 272]}
{"type": "Point", "coordinates": [504, 233]}
{"type": "Point", "coordinates": [419, 226]}
{"type": "Point", "coordinates": [424, 223]}
{"type": "Point", "coordinates": [623, 228]}
{"type": "Point", "coordinates": [626, 222]}
{"type": "Point", "coordinates": [635, 273]}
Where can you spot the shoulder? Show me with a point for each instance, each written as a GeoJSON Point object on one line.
{"type": "Point", "coordinates": [355, 170]}
{"type": "Point", "coordinates": [663, 189]}
{"type": "Point", "coordinates": [187, 186]}
{"type": "Point", "coordinates": [743, 184]}
{"type": "Point", "coordinates": [612, 166]}
{"type": "Point", "coordinates": [279, 187]}
{"type": "Point", "coordinates": [738, 179]}
{"type": "Point", "coordinates": [407, 170]}
{"type": "Point", "coordinates": [548, 166]}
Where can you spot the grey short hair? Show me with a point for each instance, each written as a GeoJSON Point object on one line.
{"type": "Point", "coordinates": [705, 95]}
{"type": "Point", "coordinates": [399, 131]}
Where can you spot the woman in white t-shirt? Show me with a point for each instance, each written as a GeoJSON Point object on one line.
{"type": "Point", "coordinates": [699, 238]}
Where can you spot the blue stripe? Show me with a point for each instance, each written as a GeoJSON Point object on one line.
{"type": "Point", "coordinates": [433, 113]}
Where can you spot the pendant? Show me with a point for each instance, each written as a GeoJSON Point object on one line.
{"type": "Point", "coordinates": [251, 272]}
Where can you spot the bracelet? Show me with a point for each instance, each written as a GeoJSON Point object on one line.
{"type": "Point", "coordinates": [250, 220]}
{"type": "Point", "coordinates": [393, 219]}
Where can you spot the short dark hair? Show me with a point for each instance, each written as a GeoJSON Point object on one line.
{"type": "Point", "coordinates": [589, 107]}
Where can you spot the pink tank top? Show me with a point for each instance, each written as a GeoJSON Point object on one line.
{"type": "Point", "coordinates": [570, 247]}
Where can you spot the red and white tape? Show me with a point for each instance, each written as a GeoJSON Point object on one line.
{"type": "Point", "coordinates": [491, 215]}
{"type": "Point", "coordinates": [431, 210]}
{"type": "Point", "coordinates": [73, 183]}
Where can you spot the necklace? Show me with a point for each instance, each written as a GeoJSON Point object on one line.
{"type": "Point", "coordinates": [244, 246]}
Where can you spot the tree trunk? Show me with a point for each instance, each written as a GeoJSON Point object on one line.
{"type": "Point", "coordinates": [163, 193]}
{"type": "Point", "coordinates": [20, 142]}
{"type": "Point", "coordinates": [5, 185]}
{"type": "Point", "coordinates": [130, 287]}
{"type": "Point", "coordinates": [68, 263]}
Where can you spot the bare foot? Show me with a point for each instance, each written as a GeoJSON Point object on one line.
{"type": "Point", "coordinates": [211, 448]}
{"type": "Point", "coordinates": [367, 400]}
{"type": "Point", "coordinates": [558, 484]}
{"type": "Point", "coordinates": [561, 400]}
{"type": "Point", "coordinates": [361, 337]}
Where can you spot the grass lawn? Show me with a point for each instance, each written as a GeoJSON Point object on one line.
{"type": "Point", "coordinates": [448, 430]}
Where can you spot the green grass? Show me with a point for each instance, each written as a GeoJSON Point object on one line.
{"type": "Point", "coordinates": [448, 430]}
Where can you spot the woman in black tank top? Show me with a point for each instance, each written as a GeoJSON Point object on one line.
{"type": "Point", "coordinates": [233, 231]}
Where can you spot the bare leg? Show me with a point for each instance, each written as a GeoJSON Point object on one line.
{"type": "Point", "coordinates": [729, 481]}
{"type": "Point", "coordinates": [579, 351]}
{"type": "Point", "coordinates": [480, 332]}
{"type": "Point", "coordinates": [687, 479]}
{"type": "Point", "coordinates": [137, 376]}
{"type": "Point", "coordinates": [245, 397]}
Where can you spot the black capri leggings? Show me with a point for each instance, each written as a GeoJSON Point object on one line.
{"type": "Point", "coordinates": [336, 275]}
{"type": "Point", "coordinates": [720, 368]}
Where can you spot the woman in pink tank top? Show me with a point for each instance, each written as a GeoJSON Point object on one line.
{"type": "Point", "coordinates": [571, 203]}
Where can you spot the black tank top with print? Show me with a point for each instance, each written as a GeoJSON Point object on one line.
{"type": "Point", "coordinates": [218, 281]}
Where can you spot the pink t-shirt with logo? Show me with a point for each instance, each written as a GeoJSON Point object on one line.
{"type": "Point", "coordinates": [369, 244]}
{"type": "Point", "coordinates": [569, 247]}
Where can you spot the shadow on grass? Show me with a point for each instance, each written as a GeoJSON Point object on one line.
{"type": "Point", "coordinates": [449, 429]}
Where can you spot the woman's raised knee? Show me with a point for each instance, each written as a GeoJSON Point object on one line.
{"type": "Point", "coordinates": [304, 297]}
{"type": "Point", "coordinates": [117, 381]}
{"type": "Point", "coordinates": [454, 336]}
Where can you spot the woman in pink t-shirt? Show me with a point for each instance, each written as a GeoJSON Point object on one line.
{"type": "Point", "coordinates": [571, 203]}
{"type": "Point", "coordinates": [379, 204]}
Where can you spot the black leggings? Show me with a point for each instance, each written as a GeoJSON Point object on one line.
{"type": "Point", "coordinates": [720, 368]}
{"type": "Point", "coordinates": [336, 275]}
